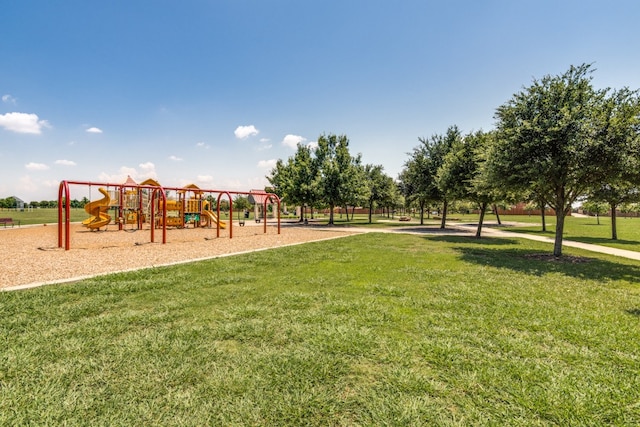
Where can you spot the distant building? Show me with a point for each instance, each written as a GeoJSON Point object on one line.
{"type": "Point", "coordinates": [19, 203]}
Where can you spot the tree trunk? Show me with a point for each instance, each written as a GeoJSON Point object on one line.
{"type": "Point", "coordinates": [614, 231]}
{"type": "Point", "coordinates": [421, 212]}
{"type": "Point", "coordinates": [331, 207]}
{"type": "Point", "coordinates": [560, 216]}
{"type": "Point", "coordinates": [544, 221]}
{"type": "Point", "coordinates": [483, 208]}
{"type": "Point", "coordinates": [495, 210]}
{"type": "Point", "coordinates": [443, 222]}
{"type": "Point", "coordinates": [370, 209]}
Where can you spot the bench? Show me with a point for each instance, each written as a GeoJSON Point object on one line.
{"type": "Point", "coordinates": [7, 221]}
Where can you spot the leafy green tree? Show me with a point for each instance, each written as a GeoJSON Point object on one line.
{"type": "Point", "coordinates": [296, 179]}
{"type": "Point", "coordinates": [436, 149]}
{"type": "Point", "coordinates": [241, 203]}
{"type": "Point", "coordinates": [381, 188]}
{"type": "Point", "coordinates": [336, 171]}
{"type": "Point", "coordinates": [620, 127]}
{"type": "Point", "coordinates": [596, 208]}
{"type": "Point", "coordinates": [415, 180]}
{"type": "Point", "coordinates": [9, 203]}
{"type": "Point", "coordinates": [418, 180]}
{"type": "Point", "coordinates": [460, 175]}
{"type": "Point", "coordinates": [548, 139]}
{"type": "Point", "coordinates": [357, 191]}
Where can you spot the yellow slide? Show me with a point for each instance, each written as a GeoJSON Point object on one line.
{"type": "Point", "coordinates": [213, 217]}
{"type": "Point", "coordinates": [98, 211]}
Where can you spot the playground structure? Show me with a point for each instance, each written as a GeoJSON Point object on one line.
{"type": "Point", "coordinates": [136, 206]}
{"type": "Point", "coordinates": [98, 210]}
{"type": "Point", "coordinates": [190, 208]}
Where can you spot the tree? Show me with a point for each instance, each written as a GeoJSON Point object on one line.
{"type": "Point", "coordinates": [460, 175]}
{"type": "Point", "coordinates": [357, 191]}
{"type": "Point", "coordinates": [595, 207]}
{"type": "Point", "coordinates": [381, 187]}
{"type": "Point", "coordinates": [418, 179]}
{"type": "Point", "coordinates": [336, 171]}
{"type": "Point", "coordinates": [241, 203]}
{"type": "Point", "coordinates": [620, 123]}
{"type": "Point", "coordinates": [436, 149]}
{"type": "Point", "coordinates": [547, 140]}
{"type": "Point", "coordinates": [296, 180]}
{"type": "Point", "coordinates": [415, 180]}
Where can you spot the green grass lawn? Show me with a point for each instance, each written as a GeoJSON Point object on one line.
{"type": "Point", "coordinates": [580, 229]}
{"type": "Point", "coordinates": [372, 329]}
{"type": "Point", "coordinates": [42, 216]}
{"type": "Point", "coordinates": [50, 216]}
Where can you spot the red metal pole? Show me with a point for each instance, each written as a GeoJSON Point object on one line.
{"type": "Point", "coordinates": [230, 216]}
{"type": "Point", "coordinates": [61, 190]}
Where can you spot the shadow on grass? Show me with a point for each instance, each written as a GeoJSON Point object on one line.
{"type": "Point", "coordinates": [508, 253]}
{"type": "Point", "coordinates": [489, 241]}
{"type": "Point", "coordinates": [634, 312]}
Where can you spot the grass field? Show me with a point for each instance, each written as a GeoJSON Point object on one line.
{"type": "Point", "coordinates": [373, 329]}
{"type": "Point", "coordinates": [49, 216]}
{"type": "Point", "coordinates": [41, 216]}
{"type": "Point", "coordinates": [581, 229]}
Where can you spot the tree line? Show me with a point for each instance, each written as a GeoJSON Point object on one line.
{"type": "Point", "coordinates": [328, 176]}
{"type": "Point", "coordinates": [556, 142]}
{"type": "Point", "coordinates": [239, 203]}
{"type": "Point", "coordinates": [11, 203]}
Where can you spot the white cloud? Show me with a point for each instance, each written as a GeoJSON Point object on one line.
{"type": "Point", "coordinates": [23, 123]}
{"type": "Point", "coordinates": [28, 185]}
{"type": "Point", "coordinates": [292, 141]}
{"type": "Point", "coordinates": [202, 145]}
{"type": "Point", "coordinates": [175, 158]}
{"type": "Point", "coordinates": [8, 99]}
{"type": "Point", "coordinates": [267, 164]}
{"type": "Point", "coordinates": [313, 145]}
{"type": "Point", "coordinates": [205, 180]}
{"type": "Point", "coordinates": [36, 166]}
{"type": "Point", "coordinates": [148, 170]}
{"type": "Point", "coordinates": [48, 183]}
{"type": "Point", "coordinates": [65, 162]}
{"type": "Point", "coordinates": [243, 132]}
{"type": "Point", "coordinates": [94, 130]}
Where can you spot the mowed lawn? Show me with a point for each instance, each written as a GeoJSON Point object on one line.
{"type": "Point", "coordinates": [373, 329]}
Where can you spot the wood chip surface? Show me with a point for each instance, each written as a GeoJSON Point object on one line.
{"type": "Point", "coordinates": [31, 256]}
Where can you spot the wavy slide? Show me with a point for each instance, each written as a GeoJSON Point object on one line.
{"type": "Point", "coordinates": [98, 211]}
{"type": "Point", "coordinates": [213, 217]}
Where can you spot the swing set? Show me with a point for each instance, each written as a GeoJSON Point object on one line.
{"type": "Point", "coordinates": [130, 206]}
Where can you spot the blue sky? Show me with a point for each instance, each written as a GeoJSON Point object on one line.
{"type": "Point", "coordinates": [213, 92]}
